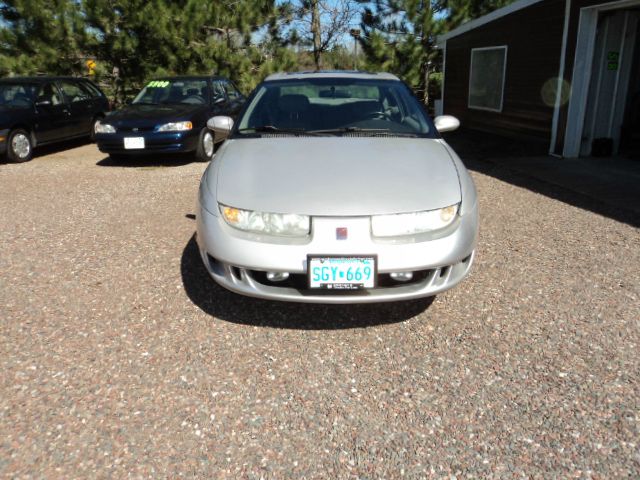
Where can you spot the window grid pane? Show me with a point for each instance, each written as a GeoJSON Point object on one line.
{"type": "Point", "coordinates": [486, 82]}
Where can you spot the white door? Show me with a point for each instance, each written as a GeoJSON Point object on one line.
{"type": "Point", "coordinates": [609, 83]}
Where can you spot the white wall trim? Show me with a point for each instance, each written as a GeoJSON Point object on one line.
{"type": "Point", "coordinates": [616, 87]}
{"type": "Point", "coordinates": [504, 77]}
{"type": "Point", "coordinates": [560, 83]}
{"type": "Point", "coordinates": [490, 17]}
{"type": "Point", "coordinates": [596, 100]}
{"type": "Point", "coordinates": [580, 78]}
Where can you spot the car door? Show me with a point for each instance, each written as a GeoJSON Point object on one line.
{"type": "Point", "coordinates": [52, 114]}
{"type": "Point", "coordinates": [234, 97]}
{"type": "Point", "coordinates": [80, 106]}
{"type": "Point", "coordinates": [99, 102]}
{"type": "Point", "coordinates": [219, 100]}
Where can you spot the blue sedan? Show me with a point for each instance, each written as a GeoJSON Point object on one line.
{"type": "Point", "coordinates": [169, 115]}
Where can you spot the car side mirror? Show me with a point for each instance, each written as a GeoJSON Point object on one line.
{"type": "Point", "coordinates": [221, 127]}
{"type": "Point", "coordinates": [446, 123]}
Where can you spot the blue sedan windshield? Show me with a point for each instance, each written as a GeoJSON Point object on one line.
{"type": "Point", "coordinates": [335, 105]}
{"type": "Point", "coordinates": [174, 91]}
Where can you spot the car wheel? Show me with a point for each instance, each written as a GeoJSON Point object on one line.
{"type": "Point", "coordinates": [94, 124]}
{"type": "Point", "coordinates": [205, 146]}
{"type": "Point", "coordinates": [19, 148]}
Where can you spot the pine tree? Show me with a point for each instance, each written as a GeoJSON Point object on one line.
{"type": "Point", "coordinates": [40, 36]}
{"type": "Point", "coordinates": [321, 24]}
{"type": "Point", "coordinates": [399, 37]}
{"type": "Point", "coordinates": [462, 11]}
{"type": "Point", "coordinates": [139, 40]}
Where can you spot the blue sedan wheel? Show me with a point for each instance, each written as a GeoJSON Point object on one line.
{"type": "Point", "coordinates": [205, 145]}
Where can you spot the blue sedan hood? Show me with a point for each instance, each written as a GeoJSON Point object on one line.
{"type": "Point", "coordinates": [145, 115]}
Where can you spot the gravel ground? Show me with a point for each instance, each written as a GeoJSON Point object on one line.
{"type": "Point", "coordinates": [121, 359]}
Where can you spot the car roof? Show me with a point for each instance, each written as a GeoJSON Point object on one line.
{"type": "Point", "coordinates": [190, 77]}
{"type": "Point", "coordinates": [39, 79]}
{"type": "Point", "coordinates": [331, 74]}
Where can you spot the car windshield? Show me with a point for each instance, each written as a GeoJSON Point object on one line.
{"type": "Point", "coordinates": [17, 95]}
{"type": "Point", "coordinates": [335, 106]}
{"type": "Point", "coordinates": [169, 91]}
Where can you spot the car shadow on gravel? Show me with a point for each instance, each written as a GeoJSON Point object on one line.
{"type": "Point", "coordinates": [231, 307]}
{"type": "Point", "coordinates": [148, 161]}
{"type": "Point", "coordinates": [506, 159]}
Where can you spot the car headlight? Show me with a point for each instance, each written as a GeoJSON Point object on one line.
{"type": "Point", "coordinates": [175, 127]}
{"type": "Point", "coordinates": [283, 224]}
{"type": "Point", "coordinates": [105, 128]}
{"type": "Point", "coordinates": [412, 223]}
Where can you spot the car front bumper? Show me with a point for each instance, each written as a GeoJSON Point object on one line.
{"type": "Point", "coordinates": [154, 142]}
{"type": "Point", "coordinates": [238, 260]}
{"type": "Point", "coordinates": [4, 140]}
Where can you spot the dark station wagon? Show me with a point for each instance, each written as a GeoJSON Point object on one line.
{"type": "Point", "coordinates": [35, 111]}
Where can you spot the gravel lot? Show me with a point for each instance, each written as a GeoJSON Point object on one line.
{"type": "Point", "coordinates": [121, 359]}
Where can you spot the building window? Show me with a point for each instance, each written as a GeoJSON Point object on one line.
{"type": "Point", "coordinates": [486, 78]}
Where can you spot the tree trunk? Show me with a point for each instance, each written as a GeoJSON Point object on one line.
{"type": "Point", "coordinates": [426, 48]}
{"type": "Point", "coordinates": [425, 96]}
{"type": "Point", "coordinates": [315, 30]}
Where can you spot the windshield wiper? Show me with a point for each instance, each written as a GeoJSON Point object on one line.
{"type": "Point", "coordinates": [365, 131]}
{"type": "Point", "coordinates": [352, 129]}
{"type": "Point", "coordinates": [144, 103]}
{"type": "Point", "coordinates": [274, 129]}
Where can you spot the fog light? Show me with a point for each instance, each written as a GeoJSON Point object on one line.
{"type": "Point", "coordinates": [401, 276]}
{"type": "Point", "coordinates": [277, 276]}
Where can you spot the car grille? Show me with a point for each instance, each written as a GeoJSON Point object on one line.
{"type": "Point", "coordinates": [299, 281]}
{"type": "Point", "coordinates": [136, 129]}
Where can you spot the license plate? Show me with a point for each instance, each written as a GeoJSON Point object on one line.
{"type": "Point", "coordinates": [132, 143]}
{"type": "Point", "coordinates": [342, 273]}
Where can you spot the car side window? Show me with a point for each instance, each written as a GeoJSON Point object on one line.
{"type": "Point", "coordinates": [218, 91]}
{"type": "Point", "coordinates": [92, 89]}
{"type": "Point", "coordinates": [232, 92]}
{"type": "Point", "coordinates": [49, 93]}
{"type": "Point", "coordinates": [74, 92]}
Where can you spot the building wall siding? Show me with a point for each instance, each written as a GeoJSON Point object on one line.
{"type": "Point", "coordinates": [534, 39]}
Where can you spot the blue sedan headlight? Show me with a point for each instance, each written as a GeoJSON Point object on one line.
{"type": "Point", "coordinates": [105, 128]}
{"type": "Point", "coordinates": [175, 127]}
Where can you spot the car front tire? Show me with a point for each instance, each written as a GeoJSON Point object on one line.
{"type": "Point", "coordinates": [19, 147]}
{"type": "Point", "coordinates": [205, 146]}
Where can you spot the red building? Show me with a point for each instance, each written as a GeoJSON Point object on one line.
{"type": "Point", "coordinates": [566, 72]}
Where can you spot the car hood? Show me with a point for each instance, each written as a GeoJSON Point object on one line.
{"type": "Point", "coordinates": [337, 176]}
{"type": "Point", "coordinates": [151, 115]}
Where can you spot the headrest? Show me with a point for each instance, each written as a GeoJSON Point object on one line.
{"type": "Point", "coordinates": [293, 103]}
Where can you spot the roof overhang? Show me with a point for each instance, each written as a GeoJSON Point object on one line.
{"type": "Point", "coordinates": [490, 17]}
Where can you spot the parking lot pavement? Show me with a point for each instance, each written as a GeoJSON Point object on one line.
{"type": "Point", "coordinates": [121, 359]}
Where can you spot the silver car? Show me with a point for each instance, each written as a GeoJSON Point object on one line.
{"type": "Point", "coordinates": [336, 187]}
